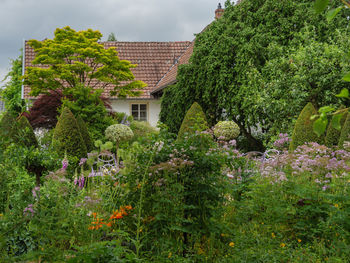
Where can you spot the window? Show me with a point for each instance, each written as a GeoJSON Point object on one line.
{"type": "Point", "coordinates": [139, 112]}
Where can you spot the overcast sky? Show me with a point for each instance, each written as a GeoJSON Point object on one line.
{"type": "Point", "coordinates": [129, 20]}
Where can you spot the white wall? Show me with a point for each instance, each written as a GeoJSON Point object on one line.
{"type": "Point", "coordinates": [153, 108]}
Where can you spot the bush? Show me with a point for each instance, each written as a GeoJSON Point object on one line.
{"type": "Point", "coordinates": [85, 134]}
{"type": "Point", "coordinates": [26, 134]}
{"type": "Point", "coordinates": [142, 129]}
{"type": "Point", "coordinates": [8, 129]}
{"type": "Point", "coordinates": [332, 135]}
{"type": "Point", "coordinates": [345, 132]}
{"type": "Point", "coordinates": [226, 130]}
{"type": "Point", "coordinates": [118, 133]}
{"type": "Point", "coordinates": [44, 112]}
{"type": "Point", "coordinates": [303, 129]}
{"type": "Point", "coordinates": [193, 121]}
{"type": "Point", "coordinates": [67, 137]}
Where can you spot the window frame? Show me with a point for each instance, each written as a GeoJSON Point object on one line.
{"type": "Point", "coordinates": [139, 110]}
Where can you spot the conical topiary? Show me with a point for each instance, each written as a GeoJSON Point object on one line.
{"type": "Point", "coordinates": [303, 129]}
{"type": "Point", "coordinates": [8, 129]}
{"type": "Point", "coordinates": [26, 134]}
{"type": "Point", "coordinates": [345, 132]}
{"type": "Point", "coordinates": [67, 137]}
{"type": "Point", "coordinates": [332, 135]}
{"type": "Point", "coordinates": [85, 134]}
{"type": "Point", "coordinates": [194, 121]}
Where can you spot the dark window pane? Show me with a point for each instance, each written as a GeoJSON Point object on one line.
{"type": "Point", "coordinates": [135, 107]}
{"type": "Point", "coordinates": [143, 107]}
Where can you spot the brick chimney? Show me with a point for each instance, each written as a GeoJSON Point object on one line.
{"type": "Point", "coordinates": [219, 11]}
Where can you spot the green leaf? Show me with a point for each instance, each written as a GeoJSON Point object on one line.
{"type": "Point", "coordinates": [320, 126]}
{"type": "Point", "coordinates": [347, 77]}
{"type": "Point", "coordinates": [320, 5]}
{"type": "Point", "coordinates": [332, 13]}
{"type": "Point", "coordinates": [325, 109]}
{"type": "Point", "coordinates": [336, 121]}
{"type": "Point", "coordinates": [343, 94]}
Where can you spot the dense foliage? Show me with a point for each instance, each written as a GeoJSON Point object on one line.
{"type": "Point", "coordinates": [75, 59]}
{"type": "Point", "coordinates": [259, 64]}
{"type": "Point", "coordinates": [303, 129]}
{"type": "Point", "coordinates": [226, 130]}
{"type": "Point", "coordinates": [193, 121]}
{"type": "Point", "coordinates": [11, 92]}
{"type": "Point", "coordinates": [332, 135]}
{"type": "Point", "coordinates": [345, 132]}
{"type": "Point", "coordinates": [67, 138]}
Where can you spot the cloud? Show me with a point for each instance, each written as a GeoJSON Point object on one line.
{"type": "Point", "coordinates": [133, 20]}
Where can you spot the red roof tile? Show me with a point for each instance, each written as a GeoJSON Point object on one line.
{"type": "Point", "coordinates": [170, 77]}
{"type": "Point", "coordinates": [154, 59]}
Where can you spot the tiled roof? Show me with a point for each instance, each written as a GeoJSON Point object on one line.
{"type": "Point", "coordinates": [170, 77]}
{"type": "Point", "coordinates": [154, 59]}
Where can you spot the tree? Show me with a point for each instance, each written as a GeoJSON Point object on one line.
{"type": "Point", "coordinates": [11, 92]}
{"type": "Point", "coordinates": [228, 75]}
{"type": "Point", "coordinates": [111, 37]}
{"type": "Point", "coordinates": [76, 59]}
{"type": "Point", "coordinates": [67, 138]}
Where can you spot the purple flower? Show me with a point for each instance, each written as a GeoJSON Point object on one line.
{"type": "Point", "coordinates": [28, 211]}
{"type": "Point", "coordinates": [35, 191]}
{"type": "Point", "coordinates": [81, 182]}
{"type": "Point", "coordinates": [64, 164]}
{"type": "Point", "coordinates": [82, 161]}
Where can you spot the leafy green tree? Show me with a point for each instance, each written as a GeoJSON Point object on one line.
{"type": "Point", "coordinates": [85, 134]}
{"type": "Point", "coordinates": [11, 92]}
{"type": "Point", "coordinates": [333, 134]}
{"type": "Point", "coordinates": [76, 58]}
{"type": "Point", "coordinates": [228, 75]}
{"type": "Point", "coordinates": [112, 37]}
{"type": "Point", "coordinates": [303, 129]}
{"type": "Point", "coordinates": [25, 133]}
{"type": "Point", "coordinates": [67, 138]}
{"type": "Point", "coordinates": [345, 132]}
{"type": "Point", "coordinates": [193, 121]}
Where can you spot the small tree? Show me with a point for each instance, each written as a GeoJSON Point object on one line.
{"type": "Point", "coordinates": [228, 130]}
{"type": "Point", "coordinates": [303, 129]}
{"type": "Point", "coordinates": [345, 132]}
{"type": "Point", "coordinates": [85, 134]}
{"type": "Point", "coordinates": [25, 133]}
{"type": "Point", "coordinates": [194, 121]}
{"type": "Point", "coordinates": [67, 137]}
{"type": "Point", "coordinates": [332, 135]}
{"type": "Point", "coordinates": [118, 133]}
{"type": "Point", "coordinates": [77, 59]}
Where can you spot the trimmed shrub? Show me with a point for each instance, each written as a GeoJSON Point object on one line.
{"type": "Point", "coordinates": [118, 133]}
{"type": "Point", "coordinates": [345, 132]}
{"type": "Point", "coordinates": [142, 129]}
{"type": "Point", "coordinates": [303, 129]}
{"type": "Point", "coordinates": [26, 134]}
{"type": "Point", "coordinates": [226, 130]}
{"type": "Point", "coordinates": [332, 135]}
{"type": "Point", "coordinates": [67, 137]}
{"type": "Point", "coordinates": [8, 129]}
{"type": "Point", "coordinates": [194, 121]}
{"type": "Point", "coordinates": [85, 134]}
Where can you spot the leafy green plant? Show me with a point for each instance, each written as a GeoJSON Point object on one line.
{"type": "Point", "coordinates": [303, 129]}
{"type": "Point", "coordinates": [67, 138]}
{"type": "Point", "coordinates": [193, 121]}
{"type": "Point", "coordinates": [226, 130]}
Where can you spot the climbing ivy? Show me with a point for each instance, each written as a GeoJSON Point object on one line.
{"type": "Point", "coordinates": [234, 59]}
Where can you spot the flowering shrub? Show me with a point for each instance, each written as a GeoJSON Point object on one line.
{"type": "Point", "coordinates": [226, 130]}
{"type": "Point", "coordinates": [118, 133]}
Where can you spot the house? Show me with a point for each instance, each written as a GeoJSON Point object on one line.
{"type": "Point", "coordinates": [157, 67]}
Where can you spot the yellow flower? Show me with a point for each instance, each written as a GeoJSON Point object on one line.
{"type": "Point", "coordinates": [1, 215]}
{"type": "Point", "coordinates": [273, 235]}
{"type": "Point", "coordinates": [299, 240]}
{"type": "Point", "coordinates": [282, 245]}
{"type": "Point", "coordinates": [169, 255]}
{"type": "Point", "coordinates": [232, 244]}
{"type": "Point", "coordinates": [336, 205]}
